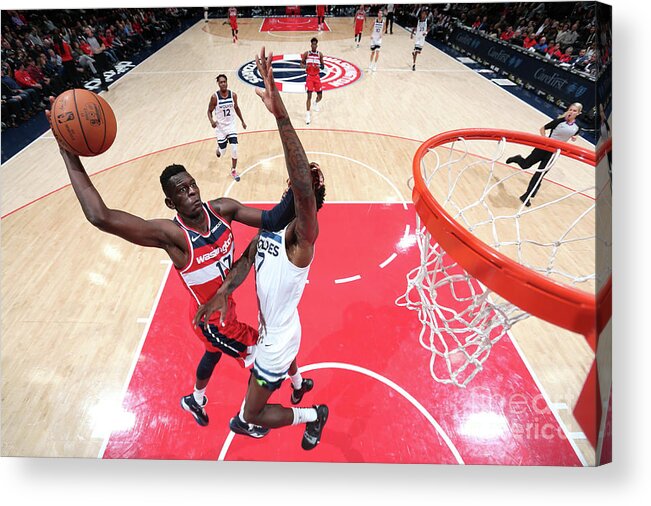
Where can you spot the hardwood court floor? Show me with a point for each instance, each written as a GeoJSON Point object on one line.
{"type": "Point", "coordinates": [76, 301]}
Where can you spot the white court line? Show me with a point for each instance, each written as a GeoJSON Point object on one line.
{"type": "Point", "coordinates": [136, 355]}
{"type": "Point", "coordinates": [381, 379]}
{"type": "Point", "coordinates": [440, 71]}
{"type": "Point", "coordinates": [402, 200]}
{"type": "Point", "coordinates": [569, 435]}
{"type": "Point", "coordinates": [347, 280]}
{"type": "Point", "coordinates": [388, 260]}
{"type": "Point", "coordinates": [207, 71]}
{"type": "Point", "coordinates": [407, 228]}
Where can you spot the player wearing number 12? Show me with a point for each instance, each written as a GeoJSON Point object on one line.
{"type": "Point", "coordinates": [221, 112]}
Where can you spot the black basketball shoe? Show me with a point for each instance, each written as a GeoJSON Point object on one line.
{"type": "Point", "coordinates": [297, 395]}
{"type": "Point", "coordinates": [313, 430]}
{"type": "Point", "coordinates": [191, 406]}
{"type": "Point", "coordinates": [247, 429]}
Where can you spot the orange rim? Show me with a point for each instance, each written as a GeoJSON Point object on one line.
{"type": "Point", "coordinates": [560, 304]}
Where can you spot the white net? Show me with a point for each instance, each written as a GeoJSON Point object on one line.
{"type": "Point", "coordinates": [461, 319]}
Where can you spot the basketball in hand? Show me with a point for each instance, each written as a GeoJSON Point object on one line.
{"type": "Point", "coordinates": [83, 122]}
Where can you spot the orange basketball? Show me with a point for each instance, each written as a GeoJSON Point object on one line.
{"type": "Point", "coordinates": [83, 122]}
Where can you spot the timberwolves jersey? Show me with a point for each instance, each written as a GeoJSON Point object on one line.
{"type": "Point", "coordinates": [421, 31]}
{"type": "Point", "coordinates": [225, 111]}
{"type": "Point", "coordinates": [376, 34]}
{"type": "Point", "coordinates": [279, 283]}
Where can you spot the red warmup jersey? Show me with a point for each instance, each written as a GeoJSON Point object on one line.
{"type": "Point", "coordinates": [313, 63]}
{"type": "Point", "coordinates": [320, 10]}
{"type": "Point", "coordinates": [359, 21]}
{"type": "Point", "coordinates": [232, 17]}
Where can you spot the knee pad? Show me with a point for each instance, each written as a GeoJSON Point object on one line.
{"type": "Point", "coordinates": [207, 364]}
{"type": "Point", "coordinates": [234, 150]}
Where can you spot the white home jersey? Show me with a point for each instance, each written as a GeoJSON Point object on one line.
{"type": "Point", "coordinates": [378, 28]}
{"type": "Point", "coordinates": [421, 31]}
{"type": "Point", "coordinates": [224, 113]}
{"type": "Point", "coordinates": [279, 283]}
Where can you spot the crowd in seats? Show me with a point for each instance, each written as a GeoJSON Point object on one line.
{"type": "Point", "coordinates": [46, 52]}
{"type": "Point", "coordinates": [564, 32]}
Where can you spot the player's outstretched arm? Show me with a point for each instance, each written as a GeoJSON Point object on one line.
{"type": "Point", "coordinates": [296, 160]}
{"type": "Point", "coordinates": [234, 278]}
{"type": "Point", "coordinates": [153, 233]}
{"type": "Point", "coordinates": [275, 219]}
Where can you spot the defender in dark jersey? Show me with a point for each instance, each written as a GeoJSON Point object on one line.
{"type": "Point", "coordinates": [199, 242]}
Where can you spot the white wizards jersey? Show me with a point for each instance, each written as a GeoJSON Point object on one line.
{"type": "Point", "coordinates": [378, 28]}
{"type": "Point", "coordinates": [279, 283]}
{"type": "Point", "coordinates": [224, 113]}
{"type": "Point", "coordinates": [421, 31]}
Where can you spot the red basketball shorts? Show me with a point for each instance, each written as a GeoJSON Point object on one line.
{"type": "Point", "coordinates": [313, 83]}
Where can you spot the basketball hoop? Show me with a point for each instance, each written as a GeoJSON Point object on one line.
{"type": "Point", "coordinates": [483, 264]}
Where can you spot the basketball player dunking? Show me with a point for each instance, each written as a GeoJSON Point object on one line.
{"type": "Point", "coordinates": [232, 18]}
{"type": "Point", "coordinates": [360, 17]}
{"type": "Point", "coordinates": [221, 112]}
{"type": "Point", "coordinates": [282, 262]}
{"type": "Point", "coordinates": [200, 243]}
{"type": "Point", "coordinates": [312, 62]}
{"type": "Point", "coordinates": [376, 40]}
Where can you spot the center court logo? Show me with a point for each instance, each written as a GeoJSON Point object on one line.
{"type": "Point", "coordinates": [290, 77]}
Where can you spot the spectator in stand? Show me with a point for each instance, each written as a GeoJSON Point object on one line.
{"type": "Point", "coordinates": [18, 107]}
{"type": "Point", "coordinates": [554, 51]}
{"type": "Point", "coordinates": [566, 57]}
{"type": "Point", "coordinates": [63, 49]}
{"type": "Point", "coordinates": [517, 39]}
{"type": "Point", "coordinates": [541, 46]}
{"type": "Point", "coordinates": [85, 62]}
{"type": "Point", "coordinates": [592, 36]}
{"type": "Point", "coordinates": [27, 95]}
{"type": "Point", "coordinates": [544, 26]}
{"type": "Point", "coordinates": [26, 82]}
{"type": "Point", "coordinates": [109, 49]}
{"type": "Point", "coordinates": [54, 65]}
{"type": "Point", "coordinates": [581, 60]}
{"type": "Point", "coordinates": [98, 48]}
{"type": "Point", "coordinates": [38, 76]}
{"type": "Point", "coordinates": [507, 34]}
{"type": "Point", "coordinates": [571, 37]}
{"type": "Point", "coordinates": [530, 40]}
{"type": "Point", "coordinates": [49, 25]}
{"type": "Point", "coordinates": [562, 33]}
{"type": "Point", "coordinates": [476, 24]}
{"type": "Point", "coordinates": [34, 38]}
